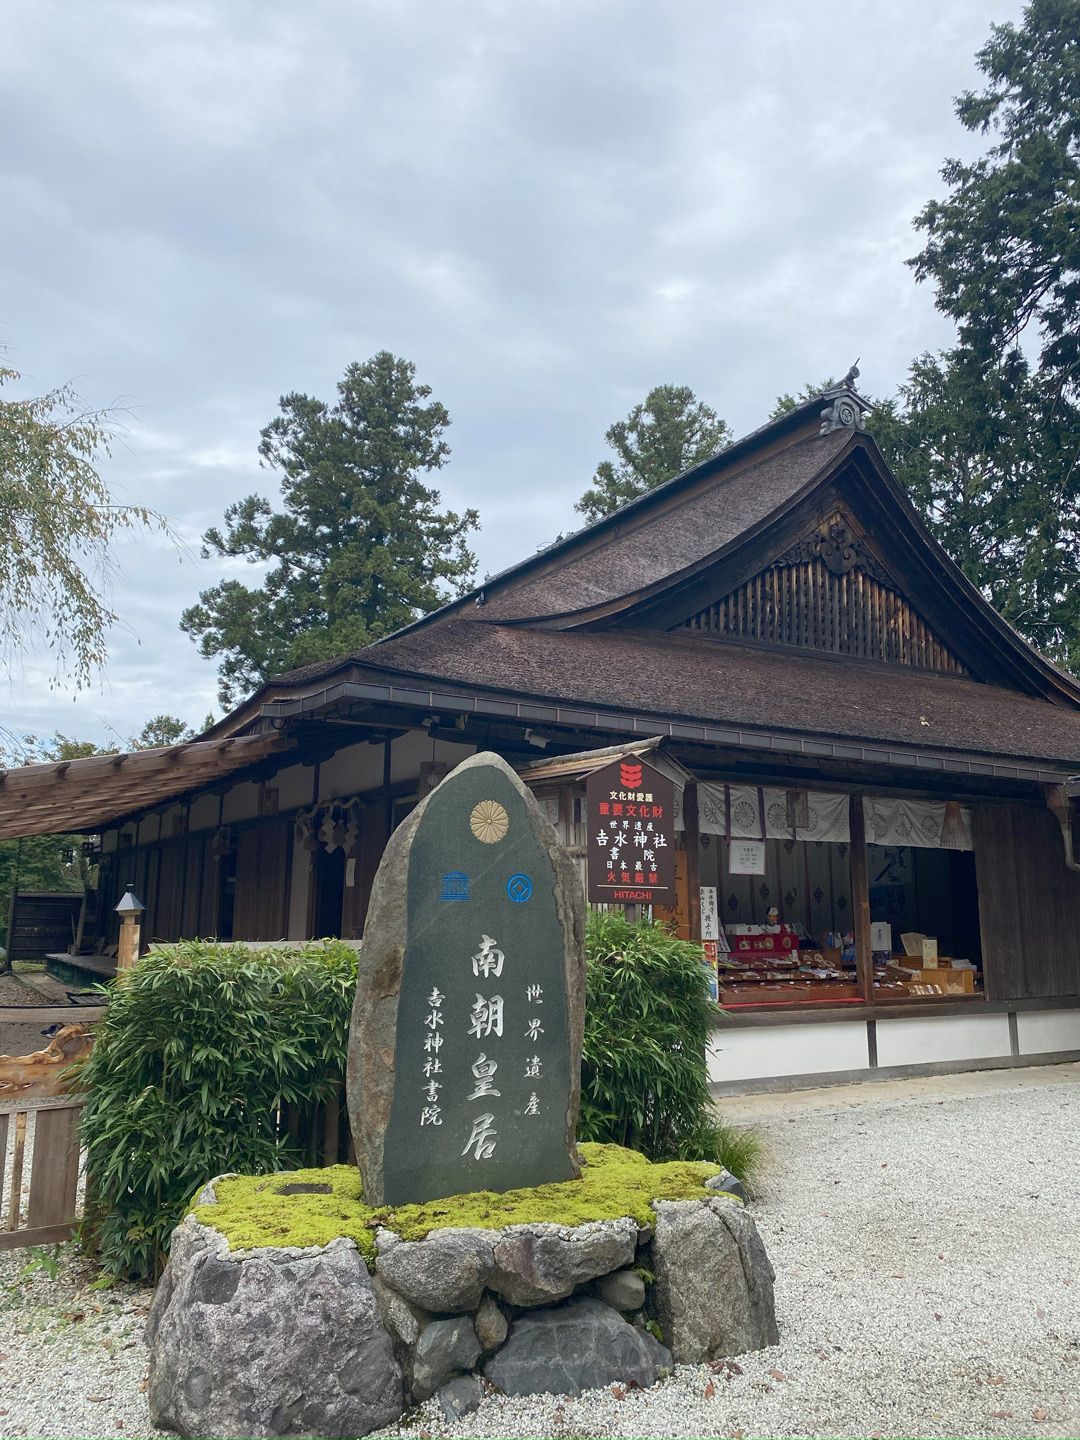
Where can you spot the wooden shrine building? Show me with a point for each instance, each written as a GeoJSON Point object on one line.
{"type": "Point", "coordinates": [778, 629]}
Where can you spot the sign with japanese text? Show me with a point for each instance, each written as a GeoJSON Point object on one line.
{"type": "Point", "coordinates": [630, 815]}
{"type": "Point", "coordinates": [710, 915]}
{"type": "Point", "coordinates": [746, 857]}
{"type": "Point", "coordinates": [482, 1081]}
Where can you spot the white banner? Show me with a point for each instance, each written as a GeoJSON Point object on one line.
{"type": "Point", "coordinates": [922, 823]}
{"type": "Point", "coordinates": [888, 821]}
{"type": "Point", "coordinates": [826, 815]}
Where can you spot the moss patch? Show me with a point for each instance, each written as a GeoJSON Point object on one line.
{"type": "Point", "coordinates": [257, 1210]}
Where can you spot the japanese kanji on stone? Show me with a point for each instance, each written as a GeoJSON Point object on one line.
{"type": "Point", "coordinates": [465, 1046]}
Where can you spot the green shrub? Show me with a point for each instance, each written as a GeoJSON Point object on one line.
{"type": "Point", "coordinates": [644, 1080]}
{"type": "Point", "coordinates": [200, 1046]}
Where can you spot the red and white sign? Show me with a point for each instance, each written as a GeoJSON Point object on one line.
{"type": "Point", "coordinates": [630, 815]}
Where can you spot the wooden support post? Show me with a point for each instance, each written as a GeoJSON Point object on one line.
{"type": "Point", "coordinates": [860, 900]}
{"type": "Point", "coordinates": [331, 1111]}
{"type": "Point", "coordinates": [130, 941]}
{"type": "Point", "coordinates": [692, 837]}
{"type": "Point", "coordinates": [17, 1170]}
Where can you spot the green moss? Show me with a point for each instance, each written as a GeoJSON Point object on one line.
{"type": "Point", "coordinates": [251, 1211]}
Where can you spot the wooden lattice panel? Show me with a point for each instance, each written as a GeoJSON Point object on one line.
{"type": "Point", "coordinates": [807, 604]}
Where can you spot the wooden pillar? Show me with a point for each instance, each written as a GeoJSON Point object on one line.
{"type": "Point", "coordinates": [692, 839]}
{"type": "Point", "coordinates": [860, 900]}
{"type": "Point", "coordinates": [130, 936]}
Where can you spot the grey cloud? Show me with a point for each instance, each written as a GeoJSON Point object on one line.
{"type": "Point", "coordinates": [550, 208]}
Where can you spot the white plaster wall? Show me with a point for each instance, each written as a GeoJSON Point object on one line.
{"type": "Point", "coordinates": [293, 785]}
{"type": "Point", "coordinates": [410, 751]}
{"type": "Point", "coordinates": [204, 813]}
{"type": "Point", "coordinates": [299, 887]}
{"type": "Point", "coordinates": [351, 770]}
{"type": "Point", "coordinates": [241, 802]}
{"type": "Point", "coordinates": [787, 1050]}
{"type": "Point", "coordinates": [1041, 1031]}
{"type": "Point", "coordinates": [922, 1040]}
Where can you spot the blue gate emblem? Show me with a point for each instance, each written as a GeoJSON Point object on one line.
{"type": "Point", "coordinates": [455, 886]}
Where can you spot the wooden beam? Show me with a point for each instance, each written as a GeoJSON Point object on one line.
{"type": "Point", "coordinates": [860, 900]}
{"type": "Point", "coordinates": [692, 834]}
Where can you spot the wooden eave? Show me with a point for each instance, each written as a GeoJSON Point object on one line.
{"type": "Point", "coordinates": [357, 688]}
{"type": "Point", "coordinates": [83, 795]}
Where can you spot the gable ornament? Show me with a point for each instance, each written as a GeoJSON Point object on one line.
{"type": "Point", "coordinates": [846, 410]}
{"type": "Point", "coordinates": [837, 545]}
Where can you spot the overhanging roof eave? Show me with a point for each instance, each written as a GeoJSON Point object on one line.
{"type": "Point", "coordinates": [418, 694]}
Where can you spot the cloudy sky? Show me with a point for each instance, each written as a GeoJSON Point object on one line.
{"type": "Point", "coordinates": [549, 206]}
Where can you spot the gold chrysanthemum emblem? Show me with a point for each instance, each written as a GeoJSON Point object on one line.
{"type": "Point", "coordinates": [489, 822]}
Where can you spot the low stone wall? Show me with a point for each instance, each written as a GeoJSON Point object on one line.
{"type": "Point", "coordinates": [307, 1342]}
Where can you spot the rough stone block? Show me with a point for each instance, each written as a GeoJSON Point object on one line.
{"type": "Point", "coordinates": [624, 1290]}
{"type": "Point", "coordinates": [539, 1264]}
{"type": "Point", "coordinates": [714, 1282]}
{"type": "Point", "coordinates": [444, 1273]}
{"type": "Point", "coordinates": [581, 1345]}
{"type": "Point", "coordinates": [269, 1342]}
{"type": "Point", "coordinates": [445, 1348]}
{"type": "Point", "coordinates": [491, 1324]}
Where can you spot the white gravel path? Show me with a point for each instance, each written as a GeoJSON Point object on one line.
{"type": "Point", "coordinates": [927, 1244]}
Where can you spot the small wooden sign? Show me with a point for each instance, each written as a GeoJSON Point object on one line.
{"type": "Point", "coordinates": [710, 915]}
{"type": "Point", "coordinates": [630, 816]}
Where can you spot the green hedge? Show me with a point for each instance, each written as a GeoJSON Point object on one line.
{"type": "Point", "coordinates": [200, 1045]}
{"type": "Point", "coordinates": [644, 1074]}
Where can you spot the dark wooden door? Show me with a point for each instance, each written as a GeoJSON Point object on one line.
{"type": "Point", "coordinates": [1029, 904]}
{"type": "Point", "coordinates": [262, 864]}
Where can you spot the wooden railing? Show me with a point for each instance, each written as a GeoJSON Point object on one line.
{"type": "Point", "coordinates": [45, 1139]}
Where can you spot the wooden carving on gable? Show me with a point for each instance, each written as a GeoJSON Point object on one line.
{"type": "Point", "coordinates": [839, 548]}
{"type": "Point", "coordinates": [829, 592]}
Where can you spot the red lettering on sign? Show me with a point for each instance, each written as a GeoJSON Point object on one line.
{"type": "Point", "coordinates": [604, 808]}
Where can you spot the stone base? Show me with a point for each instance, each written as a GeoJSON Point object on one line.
{"type": "Point", "coordinates": [305, 1342]}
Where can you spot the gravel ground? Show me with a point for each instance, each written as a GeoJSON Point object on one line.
{"type": "Point", "coordinates": [16, 1039]}
{"type": "Point", "coordinates": [14, 991]}
{"type": "Point", "coordinates": [928, 1259]}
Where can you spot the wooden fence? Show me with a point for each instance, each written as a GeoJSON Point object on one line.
{"type": "Point", "coordinates": [321, 1131]}
{"type": "Point", "coordinates": [49, 1135]}
{"type": "Point", "coordinates": [42, 1142]}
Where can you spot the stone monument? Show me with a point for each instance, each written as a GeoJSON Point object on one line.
{"type": "Point", "coordinates": [465, 1044]}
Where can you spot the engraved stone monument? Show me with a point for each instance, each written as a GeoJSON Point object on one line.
{"type": "Point", "coordinates": [465, 1044]}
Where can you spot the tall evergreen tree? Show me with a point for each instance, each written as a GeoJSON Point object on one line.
{"type": "Point", "coordinates": [1003, 247]}
{"type": "Point", "coordinates": [987, 436]}
{"type": "Point", "coordinates": [670, 431]}
{"type": "Point", "coordinates": [991, 468]}
{"type": "Point", "coordinates": [360, 546]}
